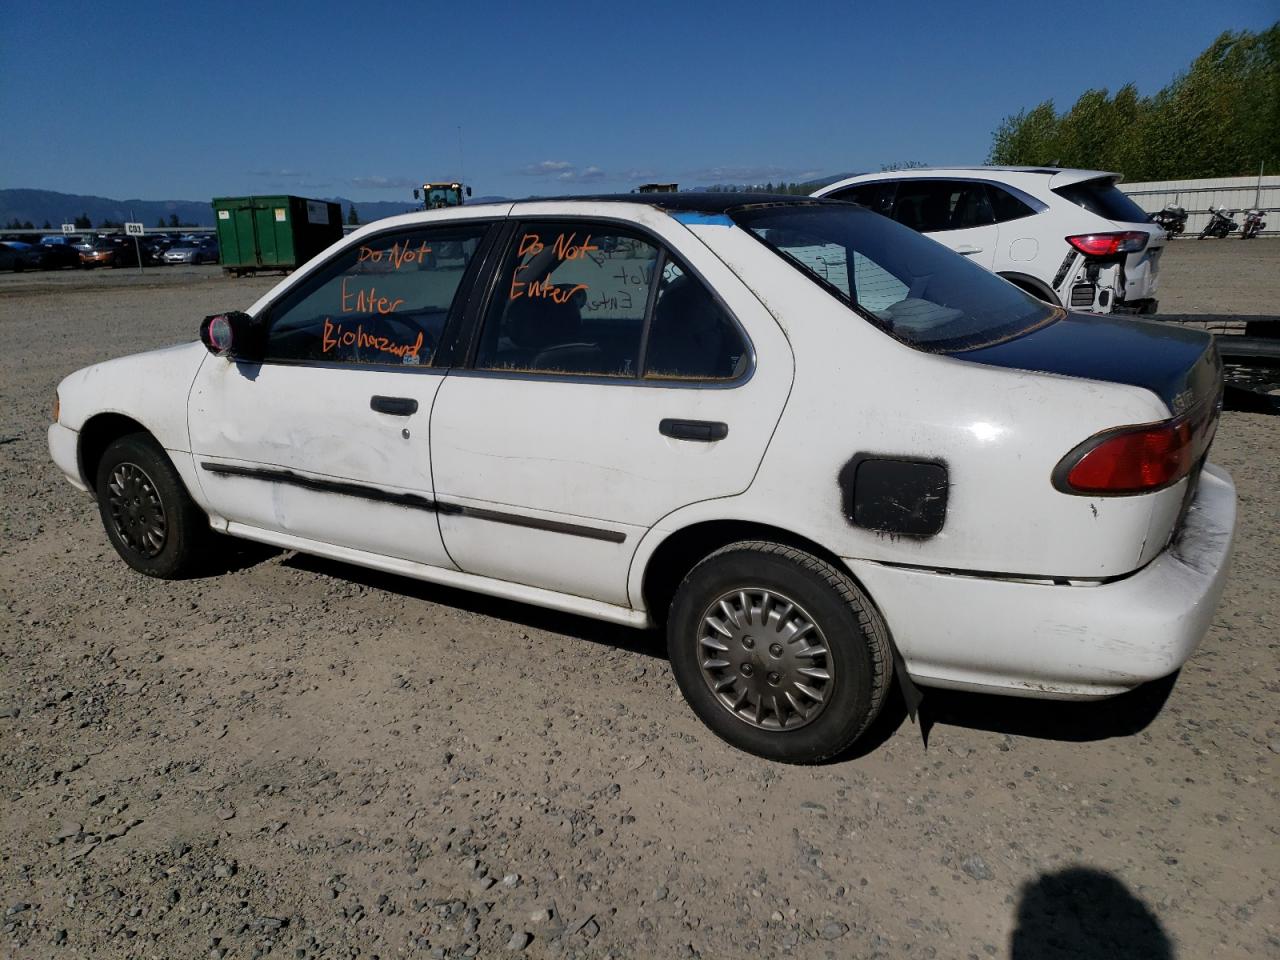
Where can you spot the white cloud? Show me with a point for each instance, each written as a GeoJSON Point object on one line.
{"type": "Point", "coordinates": [547, 168]}
{"type": "Point", "coordinates": [385, 183]}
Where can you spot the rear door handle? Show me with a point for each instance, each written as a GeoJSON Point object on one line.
{"type": "Point", "coordinates": [395, 406]}
{"type": "Point", "coordinates": [703, 430]}
{"type": "Point", "coordinates": [967, 251]}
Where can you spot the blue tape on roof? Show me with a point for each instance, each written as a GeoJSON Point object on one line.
{"type": "Point", "coordinates": [703, 219]}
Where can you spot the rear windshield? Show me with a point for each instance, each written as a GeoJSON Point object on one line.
{"type": "Point", "coordinates": [1103, 198]}
{"type": "Point", "coordinates": [912, 287]}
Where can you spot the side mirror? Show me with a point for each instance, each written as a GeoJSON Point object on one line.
{"type": "Point", "coordinates": [415, 193]}
{"type": "Point", "coordinates": [234, 335]}
{"type": "Point", "coordinates": [468, 191]}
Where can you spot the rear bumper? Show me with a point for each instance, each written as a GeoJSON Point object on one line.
{"type": "Point", "coordinates": [1063, 642]}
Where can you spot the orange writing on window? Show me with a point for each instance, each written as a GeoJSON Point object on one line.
{"type": "Point", "coordinates": [543, 289]}
{"type": "Point", "coordinates": [565, 247]}
{"type": "Point", "coordinates": [397, 255]}
{"type": "Point", "coordinates": [335, 336]}
{"type": "Point", "coordinates": [367, 301]}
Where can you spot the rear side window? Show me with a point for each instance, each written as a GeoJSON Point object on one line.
{"type": "Point", "coordinates": [1006, 206]}
{"type": "Point", "coordinates": [382, 302]}
{"type": "Point", "coordinates": [571, 300]}
{"type": "Point", "coordinates": [589, 299]}
{"type": "Point", "coordinates": [930, 206]}
{"type": "Point", "coordinates": [691, 337]}
{"type": "Point", "coordinates": [1103, 198]}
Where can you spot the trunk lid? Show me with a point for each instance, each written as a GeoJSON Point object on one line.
{"type": "Point", "coordinates": [1179, 366]}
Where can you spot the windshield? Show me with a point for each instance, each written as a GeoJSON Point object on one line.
{"type": "Point", "coordinates": [912, 287]}
{"type": "Point", "coordinates": [1103, 198]}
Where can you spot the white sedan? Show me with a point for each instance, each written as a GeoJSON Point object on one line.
{"type": "Point", "coordinates": [820, 448]}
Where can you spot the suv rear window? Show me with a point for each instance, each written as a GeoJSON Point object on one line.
{"type": "Point", "coordinates": [912, 287]}
{"type": "Point", "coordinates": [1103, 198]}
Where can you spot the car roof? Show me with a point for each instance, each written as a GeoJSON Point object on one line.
{"type": "Point", "coordinates": [1022, 176]}
{"type": "Point", "coordinates": [691, 201]}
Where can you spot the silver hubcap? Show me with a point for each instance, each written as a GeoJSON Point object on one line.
{"type": "Point", "coordinates": [765, 659]}
{"type": "Point", "coordinates": [136, 511]}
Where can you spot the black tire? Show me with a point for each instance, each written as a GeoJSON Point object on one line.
{"type": "Point", "coordinates": [1027, 288]}
{"type": "Point", "coordinates": [858, 659]}
{"type": "Point", "coordinates": [140, 492]}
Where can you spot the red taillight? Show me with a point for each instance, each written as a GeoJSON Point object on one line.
{"type": "Point", "coordinates": [1109, 244]}
{"type": "Point", "coordinates": [1131, 460]}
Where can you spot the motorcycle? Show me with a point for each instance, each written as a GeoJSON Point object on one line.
{"type": "Point", "coordinates": [1220, 224]}
{"type": "Point", "coordinates": [1172, 219]}
{"type": "Point", "coordinates": [1253, 225]}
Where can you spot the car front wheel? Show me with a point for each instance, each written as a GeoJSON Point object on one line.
{"type": "Point", "coordinates": [778, 651]}
{"type": "Point", "coordinates": [149, 517]}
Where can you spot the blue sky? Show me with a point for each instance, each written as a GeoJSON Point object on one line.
{"type": "Point", "coordinates": [363, 99]}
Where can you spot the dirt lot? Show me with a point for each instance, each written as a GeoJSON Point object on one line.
{"type": "Point", "coordinates": [302, 759]}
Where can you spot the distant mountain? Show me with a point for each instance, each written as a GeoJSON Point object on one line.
{"type": "Point", "coordinates": [41, 206]}
{"type": "Point", "coordinates": [49, 206]}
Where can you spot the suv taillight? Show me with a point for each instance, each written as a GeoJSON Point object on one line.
{"type": "Point", "coordinates": [1109, 244]}
{"type": "Point", "coordinates": [1130, 460]}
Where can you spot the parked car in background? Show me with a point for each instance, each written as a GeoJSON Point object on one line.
{"type": "Point", "coordinates": [1069, 237]}
{"type": "Point", "coordinates": [62, 239]}
{"type": "Point", "coordinates": [28, 257]}
{"type": "Point", "coordinates": [55, 256]}
{"type": "Point", "coordinates": [13, 257]}
{"type": "Point", "coordinates": [97, 252]}
{"type": "Point", "coordinates": [203, 250]}
{"type": "Point", "coordinates": [111, 251]}
{"type": "Point", "coordinates": [158, 245]}
{"type": "Point", "coordinates": [794, 432]}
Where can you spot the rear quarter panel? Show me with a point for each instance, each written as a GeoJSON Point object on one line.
{"type": "Point", "coordinates": [1000, 433]}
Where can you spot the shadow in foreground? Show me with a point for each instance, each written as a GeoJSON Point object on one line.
{"type": "Point", "coordinates": [233, 554]}
{"type": "Point", "coordinates": [1072, 721]}
{"type": "Point", "coordinates": [1082, 912]}
{"type": "Point", "coordinates": [649, 643]}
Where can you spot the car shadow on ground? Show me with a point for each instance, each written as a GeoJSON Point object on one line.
{"type": "Point", "coordinates": [649, 643]}
{"type": "Point", "coordinates": [1084, 912]}
{"type": "Point", "coordinates": [1120, 716]}
{"type": "Point", "coordinates": [1062, 720]}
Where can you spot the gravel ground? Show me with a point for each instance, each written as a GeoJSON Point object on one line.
{"type": "Point", "coordinates": [302, 759]}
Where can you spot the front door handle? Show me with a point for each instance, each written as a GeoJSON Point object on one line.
{"type": "Point", "coordinates": [396, 406]}
{"type": "Point", "coordinates": [967, 251]}
{"type": "Point", "coordinates": [703, 430]}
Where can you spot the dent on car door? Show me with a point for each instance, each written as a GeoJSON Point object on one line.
{"type": "Point", "coordinates": [327, 438]}
{"type": "Point", "coordinates": [610, 385]}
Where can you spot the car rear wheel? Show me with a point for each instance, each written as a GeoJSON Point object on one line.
{"type": "Point", "coordinates": [778, 651]}
{"type": "Point", "coordinates": [149, 517]}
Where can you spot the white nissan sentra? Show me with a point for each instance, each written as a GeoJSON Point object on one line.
{"type": "Point", "coordinates": [821, 449]}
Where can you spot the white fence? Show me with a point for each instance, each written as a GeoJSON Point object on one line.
{"type": "Point", "coordinates": [1234, 193]}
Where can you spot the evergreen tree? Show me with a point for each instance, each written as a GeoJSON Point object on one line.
{"type": "Point", "coordinates": [353, 218]}
{"type": "Point", "coordinates": [1221, 118]}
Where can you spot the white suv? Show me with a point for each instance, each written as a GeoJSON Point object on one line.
{"type": "Point", "coordinates": [1069, 237]}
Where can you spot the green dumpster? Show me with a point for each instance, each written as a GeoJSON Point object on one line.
{"type": "Point", "coordinates": [273, 233]}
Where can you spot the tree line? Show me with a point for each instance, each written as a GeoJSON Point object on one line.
{"type": "Point", "coordinates": [1221, 118]}
{"type": "Point", "coordinates": [83, 222]}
